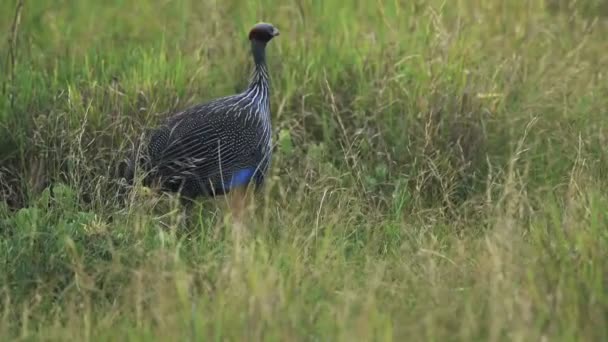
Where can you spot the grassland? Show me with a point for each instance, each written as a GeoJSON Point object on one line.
{"type": "Point", "coordinates": [440, 172]}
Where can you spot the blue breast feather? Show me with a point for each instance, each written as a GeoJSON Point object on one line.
{"type": "Point", "coordinates": [241, 178]}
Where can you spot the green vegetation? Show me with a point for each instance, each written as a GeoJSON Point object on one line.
{"type": "Point", "coordinates": [440, 172]}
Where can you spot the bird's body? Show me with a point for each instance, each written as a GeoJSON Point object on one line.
{"type": "Point", "coordinates": [208, 149]}
{"type": "Point", "coordinates": [215, 147]}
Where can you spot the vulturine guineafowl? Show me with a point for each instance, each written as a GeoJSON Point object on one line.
{"type": "Point", "coordinates": [215, 147]}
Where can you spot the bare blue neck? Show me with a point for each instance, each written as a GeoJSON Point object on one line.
{"type": "Point", "coordinates": [260, 72]}
{"type": "Point", "coordinates": [258, 49]}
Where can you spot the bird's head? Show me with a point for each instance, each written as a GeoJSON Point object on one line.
{"type": "Point", "coordinates": [263, 32]}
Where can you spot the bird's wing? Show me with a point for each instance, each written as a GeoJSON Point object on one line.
{"type": "Point", "coordinates": [197, 150]}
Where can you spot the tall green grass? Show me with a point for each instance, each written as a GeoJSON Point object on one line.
{"type": "Point", "coordinates": [439, 172]}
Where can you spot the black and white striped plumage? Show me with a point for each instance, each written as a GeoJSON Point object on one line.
{"type": "Point", "coordinates": [211, 148]}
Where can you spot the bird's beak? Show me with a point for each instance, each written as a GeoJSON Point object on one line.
{"type": "Point", "coordinates": [275, 32]}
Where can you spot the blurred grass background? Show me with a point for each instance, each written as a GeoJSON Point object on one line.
{"type": "Point", "coordinates": [439, 172]}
